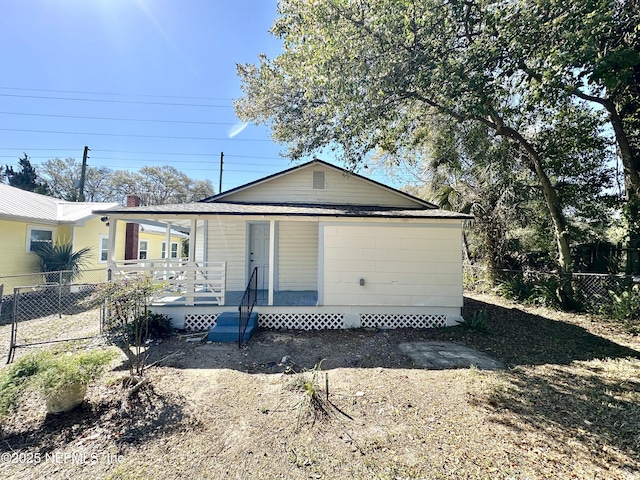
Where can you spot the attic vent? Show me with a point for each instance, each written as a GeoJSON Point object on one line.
{"type": "Point", "coordinates": [318, 180]}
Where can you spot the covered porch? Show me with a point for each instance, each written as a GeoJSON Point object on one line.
{"type": "Point", "coordinates": [223, 253]}
{"type": "Point", "coordinates": [281, 298]}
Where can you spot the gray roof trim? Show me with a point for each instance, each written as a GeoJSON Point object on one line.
{"type": "Point", "coordinates": [316, 161]}
{"type": "Point", "coordinates": [243, 209]}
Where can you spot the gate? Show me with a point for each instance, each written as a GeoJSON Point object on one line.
{"type": "Point", "coordinates": [50, 313]}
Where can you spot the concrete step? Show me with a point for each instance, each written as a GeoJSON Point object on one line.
{"type": "Point", "coordinates": [227, 329]}
{"type": "Point", "coordinates": [231, 318]}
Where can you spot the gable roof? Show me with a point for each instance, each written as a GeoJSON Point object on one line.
{"type": "Point", "coordinates": [223, 196]}
{"type": "Point", "coordinates": [17, 204]}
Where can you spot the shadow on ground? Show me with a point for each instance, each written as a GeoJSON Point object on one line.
{"type": "Point", "coordinates": [521, 338]}
{"type": "Point", "coordinates": [155, 416]}
{"type": "Point", "coordinates": [515, 338]}
{"type": "Point", "coordinates": [582, 404]}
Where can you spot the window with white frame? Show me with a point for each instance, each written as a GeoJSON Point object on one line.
{"type": "Point", "coordinates": [174, 249]}
{"type": "Point", "coordinates": [37, 235]}
{"type": "Point", "coordinates": [143, 247]}
{"type": "Point", "coordinates": [103, 250]}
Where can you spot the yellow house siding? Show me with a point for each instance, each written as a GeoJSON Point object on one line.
{"type": "Point", "coordinates": [14, 258]}
{"type": "Point", "coordinates": [297, 187]}
{"type": "Point", "coordinates": [401, 265]}
{"type": "Point", "coordinates": [64, 234]}
{"type": "Point", "coordinates": [88, 235]}
{"type": "Point", "coordinates": [154, 245]}
{"type": "Point", "coordinates": [298, 256]}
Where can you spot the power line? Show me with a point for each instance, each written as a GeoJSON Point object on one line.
{"type": "Point", "coordinates": [113, 94]}
{"type": "Point", "coordinates": [155, 153]}
{"type": "Point", "coordinates": [136, 152]}
{"type": "Point", "coordinates": [116, 119]}
{"type": "Point", "coordinates": [43, 149]}
{"type": "Point", "coordinates": [253, 156]}
{"type": "Point", "coordinates": [219, 139]}
{"type": "Point", "coordinates": [103, 100]}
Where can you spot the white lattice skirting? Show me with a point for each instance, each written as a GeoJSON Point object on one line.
{"type": "Point", "coordinates": [382, 320]}
{"type": "Point", "coordinates": [301, 321]}
{"type": "Point", "coordinates": [199, 321]}
{"type": "Point", "coordinates": [321, 321]}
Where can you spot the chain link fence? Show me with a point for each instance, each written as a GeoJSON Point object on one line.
{"type": "Point", "coordinates": [35, 313]}
{"type": "Point", "coordinates": [592, 290]}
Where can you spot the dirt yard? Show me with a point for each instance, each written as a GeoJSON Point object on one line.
{"type": "Point", "coordinates": [566, 406]}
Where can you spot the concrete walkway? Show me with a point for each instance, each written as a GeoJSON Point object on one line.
{"type": "Point", "coordinates": [446, 355]}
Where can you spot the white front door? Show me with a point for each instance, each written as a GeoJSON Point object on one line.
{"type": "Point", "coordinates": [259, 253]}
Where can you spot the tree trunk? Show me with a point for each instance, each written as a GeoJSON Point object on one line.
{"type": "Point", "coordinates": [550, 195]}
{"type": "Point", "coordinates": [626, 110]}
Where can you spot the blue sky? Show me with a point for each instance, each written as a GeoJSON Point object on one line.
{"type": "Point", "coordinates": [141, 82]}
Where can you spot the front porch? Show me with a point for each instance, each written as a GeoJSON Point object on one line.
{"type": "Point", "coordinates": [303, 298]}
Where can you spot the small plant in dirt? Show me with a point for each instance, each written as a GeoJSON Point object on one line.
{"type": "Point", "coordinates": [313, 405]}
{"type": "Point", "coordinates": [476, 321]}
{"type": "Point", "coordinates": [126, 322]}
{"type": "Point", "coordinates": [127, 319]}
{"type": "Point", "coordinates": [51, 373]}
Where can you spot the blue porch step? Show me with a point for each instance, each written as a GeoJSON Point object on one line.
{"type": "Point", "coordinates": [226, 328]}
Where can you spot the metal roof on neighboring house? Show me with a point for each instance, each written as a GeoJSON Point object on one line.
{"type": "Point", "coordinates": [220, 208]}
{"type": "Point", "coordinates": [17, 204]}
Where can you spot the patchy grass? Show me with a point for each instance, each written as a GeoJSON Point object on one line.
{"type": "Point", "coordinates": [567, 406]}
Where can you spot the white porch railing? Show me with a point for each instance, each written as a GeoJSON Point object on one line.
{"type": "Point", "coordinates": [198, 282]}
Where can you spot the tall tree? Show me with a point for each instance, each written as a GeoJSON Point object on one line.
{"type": "Point", "coordinates": [355, 76]}
{"type": "Point", "coordinates": [26, 178]}
{"type": "Point", "coordinates": [588, 50]}
{"type": "Point", "coordinates": [63, 177]}
{"type": "Point", "coordinates": [159, 186]}
{"type": "Point", "coordinates": [155, 185]}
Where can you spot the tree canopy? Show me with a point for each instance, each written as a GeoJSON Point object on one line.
{"type": "Point", "coordinates": [155, 185]}
{"type": "Point", "coordinates": [26, 178]}
{"type": "Point", "coordinates": [359, 77]}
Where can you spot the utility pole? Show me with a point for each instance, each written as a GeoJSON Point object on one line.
{"type": "Point", "coordinates": [221, 162]}
{"type": "Point", "coordinates": [83, 173]}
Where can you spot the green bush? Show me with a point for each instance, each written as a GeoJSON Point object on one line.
{"type": "Point", "coordinates": [545, 293]}
{"type": "Point", "coordinates": [151, 325]}
{"type": "Point", "coordinates": [624, 306]}
{"type": "Point", "coordinates": [127, 316]}
{"type": "Point", "coordinates": [476, 321]}
{"type": "Point", "coordinates": [515, 288]}
{"type": "Point", "coordinates": [48, 372]}
{"type": "Point", "coordinates": [61, 257]}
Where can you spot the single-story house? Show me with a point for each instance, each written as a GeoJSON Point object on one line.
{"type": "Point", "coordinates": [27, 218]}
{"type": "Point", "coordinates": [330, 249]}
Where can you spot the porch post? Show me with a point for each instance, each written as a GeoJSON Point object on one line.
{"type": "Point", "coordinates": [191, 264]}
{"type": "Point", "coordinates": [205, 241]}
{"type": "Point", "coordinates": [193, 238]}
{"type": "Point", "coordinates": [167, 249]}
{"type": "Point", "coordinates": [111, 248]}
{"type": "Point", "coordinates": [272, 258]}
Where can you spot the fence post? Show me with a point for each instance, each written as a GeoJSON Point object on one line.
{"type": "Point", "coordinates": [14, 325]}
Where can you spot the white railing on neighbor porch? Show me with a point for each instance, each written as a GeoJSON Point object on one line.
{"type": "Point", "coordinates": [197, 282]}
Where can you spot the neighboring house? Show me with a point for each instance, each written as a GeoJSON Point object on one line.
{"type": "Point", "coordinates": [27, 218]}
{"type": "Point", "coordinates": [332, 249]}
